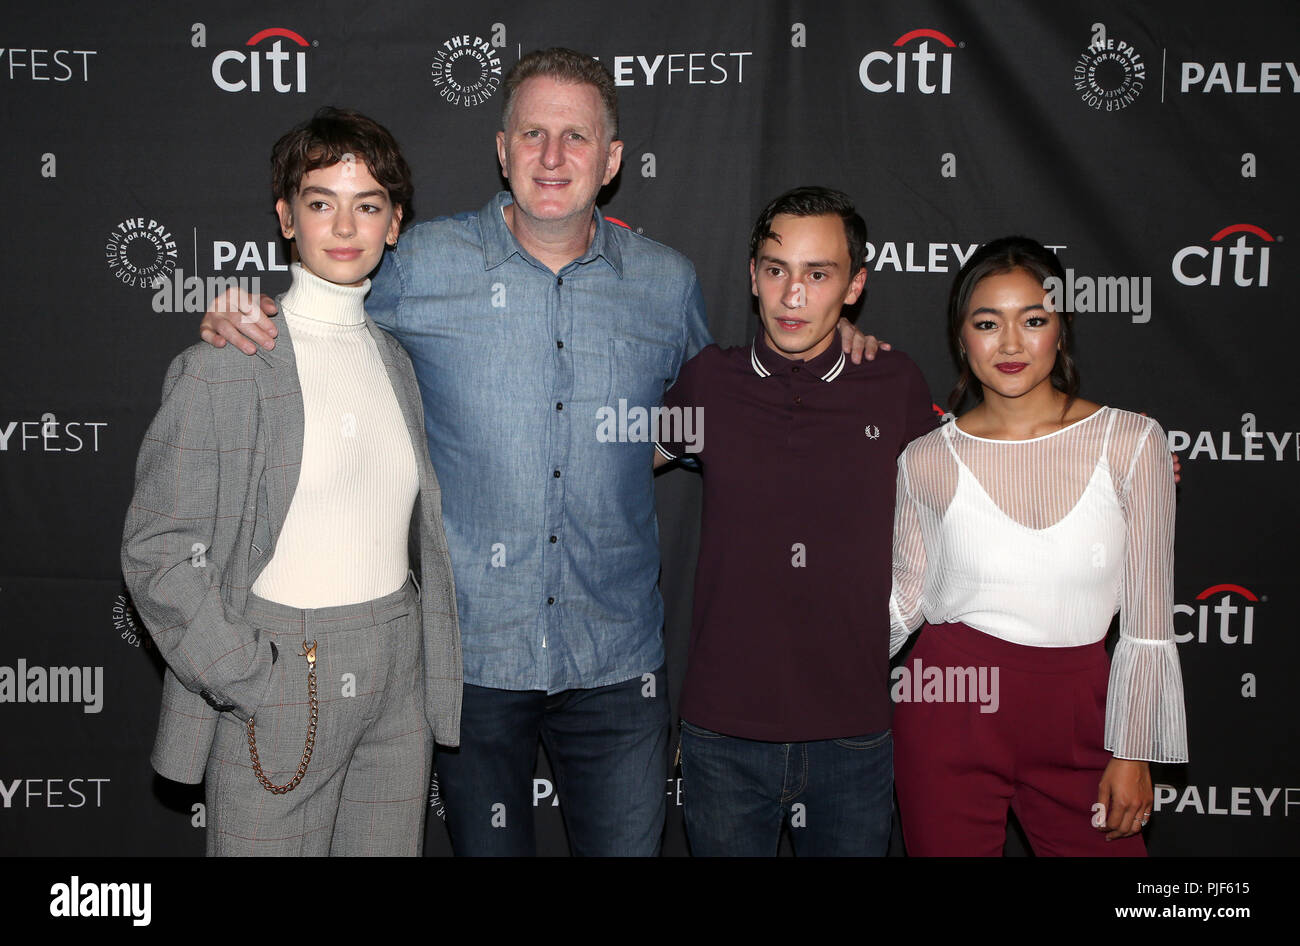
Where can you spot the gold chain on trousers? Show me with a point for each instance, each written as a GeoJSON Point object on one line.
{"type": "Point", "coordinates": [308, 651]}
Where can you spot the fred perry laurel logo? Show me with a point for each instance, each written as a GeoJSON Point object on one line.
{"type": "Point", "coordinates": [872, 432]}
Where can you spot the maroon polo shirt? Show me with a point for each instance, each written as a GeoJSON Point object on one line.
{"type": "Point", "coordinates": [790, 632]}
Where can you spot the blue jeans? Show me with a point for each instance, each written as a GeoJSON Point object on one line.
{"type": "Point", "coordinates": [608, 748]}
{"type": "Point", "coordinates": [836, 794]}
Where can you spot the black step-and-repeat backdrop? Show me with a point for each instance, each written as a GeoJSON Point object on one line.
{"type": "Point", "coordinates": [1152, 144]}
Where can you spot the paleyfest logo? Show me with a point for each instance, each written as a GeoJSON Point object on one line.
{"type": "Point", "coordinates": [1110, 74]}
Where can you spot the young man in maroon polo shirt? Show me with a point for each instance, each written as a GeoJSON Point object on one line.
{"type": "Point", "coordinates": [785, 708]}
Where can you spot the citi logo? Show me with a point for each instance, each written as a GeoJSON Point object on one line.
{"type": "Point", "coordinates": [874, 70]}
{"type": "Point", "coordinates": [236, 71]}
{"type": "Point", "coordinates": [1236, 623]}
{"type": "Point", "coordinates": [1248, 267]}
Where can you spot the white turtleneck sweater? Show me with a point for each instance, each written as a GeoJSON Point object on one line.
{"type": "Point", "coordinates": [344, 539]}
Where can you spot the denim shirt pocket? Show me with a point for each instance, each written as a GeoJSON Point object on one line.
{"type": "Point", "coordinates": [639, 372]}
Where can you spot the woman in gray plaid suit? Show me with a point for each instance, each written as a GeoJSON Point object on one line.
{"type": "Point", "coordinates": [283, 504]}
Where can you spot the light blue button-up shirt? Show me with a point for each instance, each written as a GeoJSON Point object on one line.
{"type": "Point", "coordinates": [550, 523]}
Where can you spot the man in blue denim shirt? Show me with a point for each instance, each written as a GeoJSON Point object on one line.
{"type": "Point", "coordinates": [522, 321]}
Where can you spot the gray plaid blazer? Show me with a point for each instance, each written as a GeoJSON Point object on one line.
{"type": "Point", "coordinates": [213, 484]}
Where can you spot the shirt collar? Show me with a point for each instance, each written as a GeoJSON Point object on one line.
{"type": "Point", "coordinates": [766, 362]}
{"type": "Point", "coordinates": [499, 244]}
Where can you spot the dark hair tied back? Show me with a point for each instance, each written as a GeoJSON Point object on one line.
{"type": "Point", "coordinates": [1005, 255]}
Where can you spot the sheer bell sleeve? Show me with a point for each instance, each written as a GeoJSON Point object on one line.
{"type": "Point", "coordinates": [1144, 701]}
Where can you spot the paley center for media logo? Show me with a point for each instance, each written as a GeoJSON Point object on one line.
{"type": "Point", "coordinates": [140, 251]}
{"type": "Point", "coordinates": [466, 70]}
{"type": "Point", "coordinates": [245, 70]}
{"type": "Point", "coordinates": [1249, 254]}
{"type": "Point", "coordinates": [1109, 75]}
{"type": "Point", "coordinates": [884, 71]}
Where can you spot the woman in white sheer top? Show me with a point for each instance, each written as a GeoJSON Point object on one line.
{"type": "Point", "coordinates": [1020, 529]}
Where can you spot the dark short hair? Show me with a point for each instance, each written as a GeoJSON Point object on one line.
{"type": "Point", "coordinates": [815, 202]}
{"type": "Point", "coordinates": [326, 139]}
{"type": "Point", "coordinates": [563, 65]}
{"type": "Point", "coordinates": [1006, 255]}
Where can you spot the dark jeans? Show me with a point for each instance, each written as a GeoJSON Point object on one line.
{"type": "Point", "coordinates": [608, 748]}
{"type": "Point", "coordinates": [836, 794]}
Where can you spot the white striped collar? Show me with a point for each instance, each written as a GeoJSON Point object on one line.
{"type": "Point", "coordinates": [759, 369]}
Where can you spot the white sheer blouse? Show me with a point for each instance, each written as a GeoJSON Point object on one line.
{"type": "Point", "coordinates": [1039, 542]}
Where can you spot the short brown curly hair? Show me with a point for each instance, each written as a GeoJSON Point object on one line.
{"type": "Point", "coordinates": [328, 138]}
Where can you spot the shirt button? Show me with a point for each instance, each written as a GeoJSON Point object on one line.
{"type": "Point", "coordinates": [559, 405]}
{"type": "Point", "coordinates": [798, 400]}
{"type": "Point", "coordinates": [556, 474]}
{"type": "Point", "coordinates": [559, 280]}
{"type": "Point", "coordinates": [795, 369]}
{"type": "Point", "coordinates": [550, 601]}
{"type": "Point", "coordinates": [554, 540]}
{"type": "Point", "coordinates": [559, 344]}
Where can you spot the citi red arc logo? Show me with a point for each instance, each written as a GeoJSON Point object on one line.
{"type": "Point", "coordinates": [1238, 589]}
{"type": "Point", "coordinates": [1236, 624]}
{"type": "Point", "coordinates": [873, 70]}
{"type": "Point", "coordinates": [1242, 228]}
{"type": "Point", "coordinates": [921, 34]}
{"type": "Point", "coordinates": [276, 31]}
{"type": "Point", "coordinates": [1249, 252]}
{"type": "Point", "coordinates": [230, 77]}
